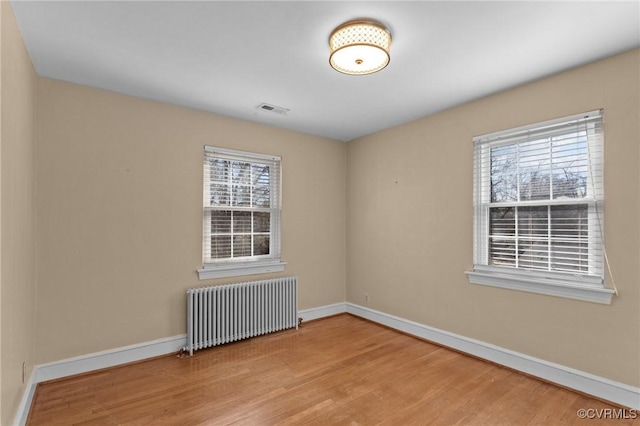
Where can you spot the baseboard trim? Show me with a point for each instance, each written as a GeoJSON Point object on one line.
{"type": "Point", "coordinates": [600, 387]}
{"type": "Point", "coordinates": [27, 398]}
{"type": "Point", "coordinates": [109, 358]}
{"type": "Point", "coordinates": [91, 362]}
{"type": "Point", "coordinates": [118, 356]}
{"type": "Point", "coordinates": [322, 311]}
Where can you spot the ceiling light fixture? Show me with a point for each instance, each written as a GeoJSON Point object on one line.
{"type": "Point", "coordinates": [359, 47]}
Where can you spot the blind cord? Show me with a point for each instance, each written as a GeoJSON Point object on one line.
{"type": "Point", "coordinates": [613, 282]}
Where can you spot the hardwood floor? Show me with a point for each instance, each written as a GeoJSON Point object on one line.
{"type": "Point", "coordinates": [338, 370]}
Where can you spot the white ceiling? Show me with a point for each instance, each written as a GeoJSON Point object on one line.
{"type": "Point", "coordinates": [228, 57]}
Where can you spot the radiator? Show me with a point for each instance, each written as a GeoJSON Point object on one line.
{"type": "Point", "coordinates": [226, 313]}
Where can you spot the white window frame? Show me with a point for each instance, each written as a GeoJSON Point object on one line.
{"type": "Point", "coordinates": [248, 265]}
{"type": "Point", "coordinates": [587, 287]}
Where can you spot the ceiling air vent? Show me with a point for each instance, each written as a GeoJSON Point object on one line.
{"type": "Point", "coordinates": [273, 108]}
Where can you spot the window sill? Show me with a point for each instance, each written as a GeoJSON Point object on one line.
{"type": "Point", "coordinates": [548, 286]}
{"type": "Point", "coordinates": [234, 270]}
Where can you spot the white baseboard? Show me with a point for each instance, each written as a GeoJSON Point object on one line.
{"type": "Point", "coordinates": [112, 357]}
{"type": "Point", "coordinates": [27, 399]}
{"type": "Point", "coordinates": [91, 362]}
{"type": "Point", "coordinates": [616, 392]}
{"type": "Point", "coordinates": [322, 311]}
{"type": "Point", "coordinates": [109, 358]}
{"type": "Point", "coordinates": [118, 356]}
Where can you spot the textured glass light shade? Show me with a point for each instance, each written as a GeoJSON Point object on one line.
{"type": "Point", "coordinates": [359, 47]}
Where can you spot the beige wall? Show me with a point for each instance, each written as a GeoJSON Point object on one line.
{"type": "Point", "coordinates": [17, 189]}
{"type": "Point", "coordinates": [120, 215]}
{"type": "Point", "coordinates": [410, 223]}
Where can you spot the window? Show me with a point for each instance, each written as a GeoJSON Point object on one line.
{"type": "Point", "coordinates": [538, 194]}
{"type": "Point", "coordinates": [241, 225]}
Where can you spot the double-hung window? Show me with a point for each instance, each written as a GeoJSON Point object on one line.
{"type": "Point", "coordinates": [241, 213]}
{"type": "Point", "coordinates": [538, 217]}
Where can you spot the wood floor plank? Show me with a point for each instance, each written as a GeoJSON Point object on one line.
{"type": "Point", "coordinates": [341, 370]}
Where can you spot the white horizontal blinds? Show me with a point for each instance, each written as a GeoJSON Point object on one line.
{"type": "Point", "coordinates": [538, 197]}
{"type": "Point", "coordinates": [241, 206]}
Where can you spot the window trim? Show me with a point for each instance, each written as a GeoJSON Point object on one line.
{"type": "Point", "coordinates": [553, 283]}
{"type": "Point", "coordinates": [245, 265]}
{"type": "Point", "coordinates": [531, 282]}
{"type": "Point", "coordinates": [236, 269]}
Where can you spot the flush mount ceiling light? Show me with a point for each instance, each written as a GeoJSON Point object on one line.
{"type": "Point", "coordinates": [359, 47]}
